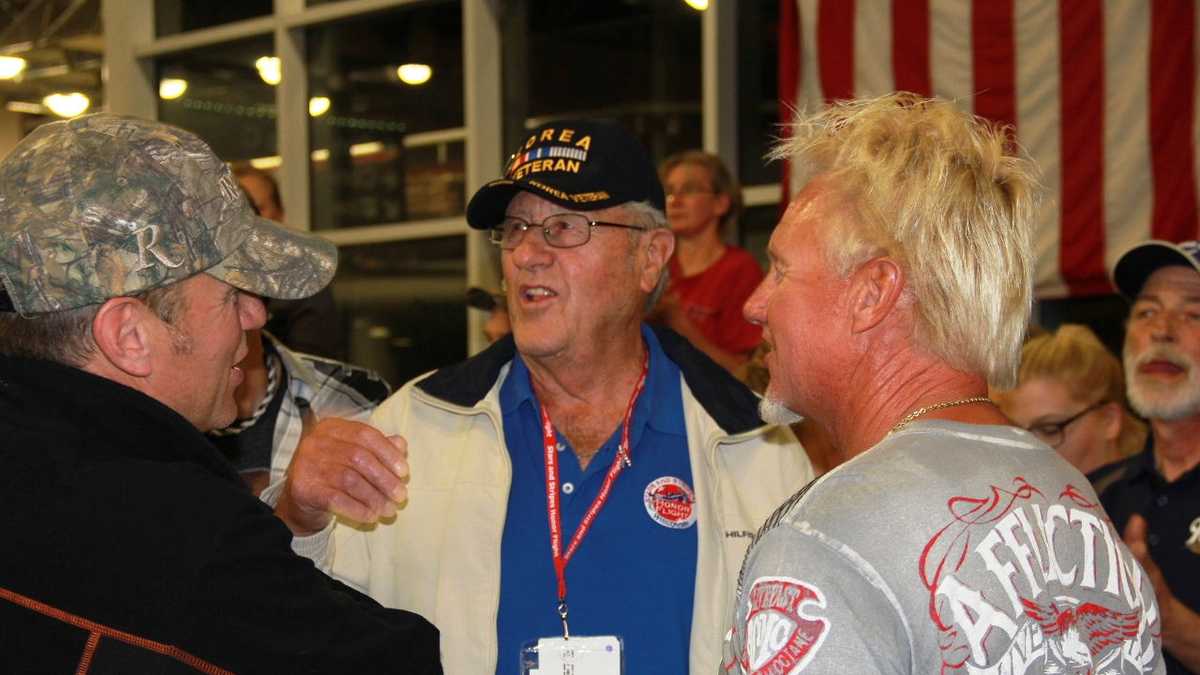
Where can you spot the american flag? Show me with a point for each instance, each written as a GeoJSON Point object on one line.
{"type": "Point", "coordinates": [1101, 93]}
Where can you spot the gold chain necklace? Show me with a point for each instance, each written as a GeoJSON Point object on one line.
{"type": "Point", "coordinates": [937, 406]}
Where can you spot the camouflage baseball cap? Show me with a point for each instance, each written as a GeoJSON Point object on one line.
{"type": "Point", "coordinates": [105, 205]}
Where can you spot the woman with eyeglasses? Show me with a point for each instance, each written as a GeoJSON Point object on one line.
{"type": "Point", "coordinates": [710, 279]}
{"type": "Point", "coordinates": [1071, 394]}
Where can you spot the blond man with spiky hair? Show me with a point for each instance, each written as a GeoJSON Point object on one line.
{"type": "Point", "coordinates": [951, 540]}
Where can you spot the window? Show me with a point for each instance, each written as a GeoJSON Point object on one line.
{"type": "Point", "coordinates": [404, 305]}
{"type": "Point", "coordinates": [758, 89]}
{"type": "Point", "coordinates": [638, 63]}
{"type": "Point", "coordinates": [385, 117]}
{"type": "Point", "coordinates": [178, 16]}
{"type": "Point", "coordinates": [225, 100]}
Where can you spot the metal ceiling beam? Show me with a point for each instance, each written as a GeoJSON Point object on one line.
{"type": "Point", "coordinates": [63, 17]}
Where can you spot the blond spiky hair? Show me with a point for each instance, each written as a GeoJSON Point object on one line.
{"type": "Point", "coordinates": [949, 197]}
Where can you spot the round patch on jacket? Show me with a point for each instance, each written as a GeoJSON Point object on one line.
{"type": "Point", "coordinates": [781, 637]}
{"type": "Point", "coordinates": [670, 502]}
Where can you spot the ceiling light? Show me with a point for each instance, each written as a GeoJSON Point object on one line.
{"type": "Point", "coordinates": [170, 88]}
{"type": "Point", "coordinates": [269, 69]}
{"type": "Point", "coordinates": [414, 73]}
{"type": "Point", "coordinates": [318, 105]}
{"type": "Point", "coordinates": [11, 66]}
{"type": "Point", "coordinates": [368, 148]}
{"type": "Point", "coordinates": [25, 107]}
{"type": "Point", "coordinates": [319, 155]}
{"type": "Point", "coordinates": [698, 5]}
{"type": "Point", "coordinates": [264, 163]}
{"type": "Point", "coordinates": [67, 105]}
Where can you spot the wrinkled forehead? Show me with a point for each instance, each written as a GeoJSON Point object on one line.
{"type": "Point", "coordinates": [809, 215]}
{"type": "Point", "coordinates": [689, 171]}
{"type": "Point", "coordinates": [1176, 281]}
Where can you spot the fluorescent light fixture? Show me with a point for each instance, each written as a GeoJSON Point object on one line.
{"type": "Point", "coordinates": [698, 5]}
{"type": "Point", "coordinates": [318, 105]}
{"type": "Point", "coordinates": [269, 69]}
{"type": "Point", "coordinates": [25, 107]}
{"type": "Point", "coordinates": [264, 163]}
{"type": "Point", "coordinates": [414, 73]}
{"type": "Point", "coordinates": [67, 105]}
{"type": "Point", "coordinates": [171, 88]}
{"type": "Point", "coordinates": [368, 148]}
{"type": "Point", "coordinates": [11, 66]}
{"type": "Point", "coordinates": [319, 155]}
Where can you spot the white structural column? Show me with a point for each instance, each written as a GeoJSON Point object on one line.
{"type": "Point", "coordinates": [720, 49]}
{"type": "Point", "coordinates": [719, 38]}
{"type": "Point", "coordinates": [129, 82]}
{"type": "Point", "coordinates": [291, 128]}
{"type": "Point", "coordinates": [483, 110]}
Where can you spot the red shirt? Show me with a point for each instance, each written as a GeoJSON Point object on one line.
{"type": "Point", "coordinates": [713, 299]}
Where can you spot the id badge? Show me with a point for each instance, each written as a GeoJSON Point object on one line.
{"type": "Point", "coordinates": [580, 655]}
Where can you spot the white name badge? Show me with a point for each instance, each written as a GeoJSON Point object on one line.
{"type": "Point", "coordinates": [580, 655]}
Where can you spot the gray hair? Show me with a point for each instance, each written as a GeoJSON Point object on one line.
{"type": "Point", "coordinates": [66, 337]}
{"type": "Point", "coordinates": [652, 218]}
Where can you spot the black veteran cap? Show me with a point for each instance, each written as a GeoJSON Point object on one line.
{"type": "Point", "coordinates": [1135, 266]}
{"type": "Point", "coordinates": [582, 165]}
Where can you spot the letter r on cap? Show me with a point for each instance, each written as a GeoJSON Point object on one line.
{"type": "Point", "coordinates": [147, 242]}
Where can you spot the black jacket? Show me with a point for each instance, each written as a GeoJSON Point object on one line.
{"type": "Point", "coordinates": [131, 546]}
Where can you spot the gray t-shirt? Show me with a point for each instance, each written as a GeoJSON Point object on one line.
{"type": "Point", "coordinates": [947, 548]}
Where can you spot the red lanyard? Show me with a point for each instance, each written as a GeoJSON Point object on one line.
{"type": "Point", "coordinates": [622, 460]}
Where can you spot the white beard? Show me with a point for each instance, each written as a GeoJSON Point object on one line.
{"type": "Point", "coordinates": [773, 411]}
{"type": "Point", "coordinates": [1158, 402]}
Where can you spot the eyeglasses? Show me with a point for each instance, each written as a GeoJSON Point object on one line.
{"type": "Point", "coordinates": [1053, 433]}
{"type": "Point", "coordinates": [562, 230]}
{"type": "Point", "coordinates": [688, 189]}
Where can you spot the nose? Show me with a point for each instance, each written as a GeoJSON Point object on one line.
{"type": "Point", "coordinates": [755, 309]}
{"type": "Point", "coordinates": [1162, 327]}
{"type": "Point", "coordinates": [532, 251]}
{"type": "Point", "coordinates": [251, 311]}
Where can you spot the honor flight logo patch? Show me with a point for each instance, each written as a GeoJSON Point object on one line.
{"type": "Point", "coordinates": [670, 503]}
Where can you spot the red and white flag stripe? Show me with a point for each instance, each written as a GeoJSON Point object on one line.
{"type": "Point", "coordinates": [1102, 93]}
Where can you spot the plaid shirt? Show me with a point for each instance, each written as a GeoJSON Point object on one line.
{"type": "Point", "coordinates": [316, 388]}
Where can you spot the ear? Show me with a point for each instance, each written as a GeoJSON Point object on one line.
{"type": "Point", "coordinates": [658, 246]}
{"type": "Point", "coordinates": [875, 288]}
{"type": "Point", "coordinates": [121, 332]}
{"type": "Point", "coordinates": [724, 203]}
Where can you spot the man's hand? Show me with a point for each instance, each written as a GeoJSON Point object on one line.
{"type": "Point", "coordinates": [347, 469]}
{"type": "Point", "coordinates": [1180, 625]}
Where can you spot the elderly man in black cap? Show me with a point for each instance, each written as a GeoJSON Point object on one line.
{"type": "Point", "coordinates": [132, 267]}
{"type": "Point", "coordinates": [1154, 496]}
{"type": "Point", "coordinates": [587, 474]}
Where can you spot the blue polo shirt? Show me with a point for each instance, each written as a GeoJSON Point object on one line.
{"type": "Point", "coordinates": [634, 573]}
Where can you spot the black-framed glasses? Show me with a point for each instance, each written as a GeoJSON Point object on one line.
{"type": "Point", "coordinates": [561, 230]}
{"type": "Point", "coordinates": [1053, 433]}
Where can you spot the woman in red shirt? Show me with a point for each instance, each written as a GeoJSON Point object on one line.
{"type": "Point", "coordinates": [710, 279]}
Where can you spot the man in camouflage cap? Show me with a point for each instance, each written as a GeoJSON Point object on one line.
{"type": "Point", "coordinates": [131, 267]}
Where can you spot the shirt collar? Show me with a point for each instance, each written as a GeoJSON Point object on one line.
{"type": "Point", "coordinates": [1144, 466]}
{"type": "Point", "coordinates": [660, 406]}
